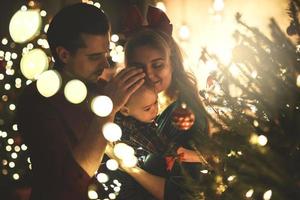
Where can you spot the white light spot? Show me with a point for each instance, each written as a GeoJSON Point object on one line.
{"type": "Point", "coordinates": [25, 25]}
{"type": "Point", "coordinates": [112, 164]}
{"type": "Point", "coordinates": [92, 194]}
{"type": "Point", "coordinates": [75, 91]}
{"type": "Point", "coordinates": [48, 83]}
{"type": "Point", "coordinates": [34, 63]}
{"type": "Point", "coordinates": [102, 105]}
{"type": "Point", "coordinates": [102, 178]}
{"type": "Point", "coordinates": [249, 193]}
{"type": "Point", "coordinates": [122, 150]}
{"type": "Point", "coordinates": [262, 140]}
{"type": "Point", "coordinates": [111, 131]}
{"type": "Point", "coordinates": [267, 195]}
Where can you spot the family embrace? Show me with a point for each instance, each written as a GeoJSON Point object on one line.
{"type": "Point", "coordinates": [65, 140]}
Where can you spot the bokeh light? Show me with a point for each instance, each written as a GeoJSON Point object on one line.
{"type": "Point", "coordinates": [25, 25]}
{"type": "Point", "coordinates": [75, 91]}
{"type": "Point", "coordinates": [102, 105]}
{"type": "Point", "coordinates": [111, 131]}
{"type": "Point", "coordinates": [48, 83]}
{"type": "Point", "coordinates": [34, 63]}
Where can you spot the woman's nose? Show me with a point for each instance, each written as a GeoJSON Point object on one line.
{"type": "Point", "coordinates": [149, 73]}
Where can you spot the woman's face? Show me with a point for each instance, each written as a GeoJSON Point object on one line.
{"type": "Point", "coordinates": [156, 65]}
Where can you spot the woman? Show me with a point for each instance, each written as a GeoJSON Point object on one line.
{"type": "Point", "coordinates": [158, 54]}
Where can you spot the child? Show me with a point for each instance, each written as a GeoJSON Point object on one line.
{"type": "Point", "coordinates": [137, 121]}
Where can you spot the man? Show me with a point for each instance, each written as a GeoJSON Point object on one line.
{"type": "Point", "coordinates": [65, 140]}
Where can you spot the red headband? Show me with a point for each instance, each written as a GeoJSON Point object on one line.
{"type": "Point", "coordinates": [157, 20]}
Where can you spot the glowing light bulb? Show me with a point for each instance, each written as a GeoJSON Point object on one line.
{"type": "Point", "coordinates": [92, 194]}
{"type": "Point", "coordinates": [48, 83]}
{"type": "Point", "coordinates": [184, 32]}
{"type": "Point", "coordinates": [130, 161]}
{"type": "Point", "coordinates": [114, 38]}
{"type": "Point", "coordinates": [112, 164]}
{"type": "Point", "coordinates": [102, 177]}
{"type": "Point", "coordinates": [25, 25]}
{"type": "Point", "coordinates": [112, 196]}
{"type": "Point", "coordinates": [122, 150]}
{"type": "Point", "coordinates": [249, 193]}
{"type": "Point", "coordinates": [267, 195]}
{"type": "Point", "coordinates": [218, 5]}
{"type": "Point", "coordinates": [111, 131]}
{"type": "Point", "coordinates": [262, 140]}
{"type": "Point", "coordinates": [298, 81]}
{"type": "Point", "coordinates": [102, 105]}
{"type": "Point", "coordinates": [34, 63]}
{"type": "Point", "coordinates": [75, 91]}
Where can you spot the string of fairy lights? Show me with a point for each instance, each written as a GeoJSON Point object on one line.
{"type": "Point", "coordinates": [29, 52]}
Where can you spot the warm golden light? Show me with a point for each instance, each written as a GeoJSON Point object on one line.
{"type": "Point", "coordinates": [130, 161]}
{"type": "Point", "coordinates": [111, 131]}
{"type": "Point", "coordinates": [102, 177]}
{"type": "Point", "coordinates": [122, 150]}
{"type": "Point", "coordinates": [75, 91]}
{"type": "Point", "coordinates": [25, 25]}
{"type": "Point", "coordinates": [34, 63]}
{"type": "Point", "coordinates": [112, 164]}
{"type": "Point", "coordinates": [92, 194]}
{"type": "Point", "coordinates": [102, 105]}
{"type": "Point", "coordinates": [267, 195]}
{"type": "Point", "coordinates": [262, 140]}
{"type": "Point", "coordinates": [249, 193]}
{"type": "Point", "coordinates": [48, 83]}
{"type": "Point", "coordinates": [298, 81]}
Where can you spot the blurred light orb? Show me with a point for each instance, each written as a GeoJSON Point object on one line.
{"type": "Point", "coordinates": [48, 83]}
{"type": "Point", "coordinates": [262, 140]}
{"type": "Point", "coordinates": [102, 177]}
{"type": "Point", "coordinates": [130, 161]}
{"type": "Point", "coordinates": [111, 131]}
{"type": "Point", "coordinates": [75, 91]}
{"type": "Point", "coordinates": [92, 194]}
{"type": "Point", "coordinates": [267, 195]}
{"type": "Point", "coordinates": [114, 38]}
{"type": "Point", "coordinates": [34, 63]}
{"type": "Point", "coordinates": [112, 164]}
{"type": "Point", "coordinates": [102, 105]}
{"type": "Point", "coordinates": [249, 193]}
{"type": "Point", "coordinates": [25, 25]}
{"type": "Point", "coordinates": [218, 5]}
{"type": "Point", "coordinates": [184, 32]}
{"type": "Point", "coordinates": [298, 81]}
{"type": "Point", "coordinates": [122, 150]}
{"type": "Point", "coordinates": [112, 196]}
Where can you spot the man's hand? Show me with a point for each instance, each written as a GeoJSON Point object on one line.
{"type": "Point", "coordinates": [125, 83]}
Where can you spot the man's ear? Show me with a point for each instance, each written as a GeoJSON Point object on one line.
{"type": "Point", "coordinates": [63, 54]}
{"type": "Point", "coordinates": [124, 111]}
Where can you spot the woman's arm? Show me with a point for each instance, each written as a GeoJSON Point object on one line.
{"type": "Point", "coordinates": [153, 184]}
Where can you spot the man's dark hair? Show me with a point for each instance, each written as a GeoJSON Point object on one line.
{"type": "Point", "coordinates": [70, 22]}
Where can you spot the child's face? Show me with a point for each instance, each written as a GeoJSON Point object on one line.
{"type": "Point", "coordinates": [143, 105]}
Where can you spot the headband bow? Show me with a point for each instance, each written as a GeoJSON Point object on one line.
{"type": "Point", "coordinates": [157, 20]}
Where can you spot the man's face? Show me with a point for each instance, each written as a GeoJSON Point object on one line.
{"type": "Point", "coordinates": [88, 63]}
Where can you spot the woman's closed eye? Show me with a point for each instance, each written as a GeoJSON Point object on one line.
{"type": "Point", "coordinates": [158, 65]}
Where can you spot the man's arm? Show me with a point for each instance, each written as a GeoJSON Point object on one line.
{"type": "Point", "coordinates": [90, 151]}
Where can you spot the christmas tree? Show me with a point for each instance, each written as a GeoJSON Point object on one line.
{"type": "Point", "coordinates": [255, 101]}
